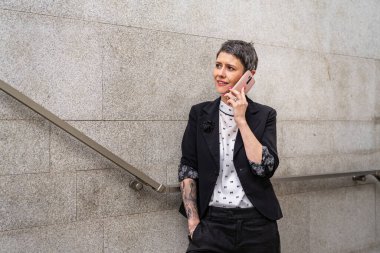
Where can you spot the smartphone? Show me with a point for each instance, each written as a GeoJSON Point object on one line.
{"type": "Point", "coordinates": [246, 81]}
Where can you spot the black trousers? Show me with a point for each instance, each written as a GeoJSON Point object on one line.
{"type": "Point", "coordinates": [240, 230]}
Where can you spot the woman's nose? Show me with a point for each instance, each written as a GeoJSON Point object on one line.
{"type": "Point", "coordinates": [222, 72]}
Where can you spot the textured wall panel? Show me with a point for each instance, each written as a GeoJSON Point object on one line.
{"type": "Point", "coordinates": [332, 163]}
{"type": "Point", "coordinates": [307, 85]}
{"type": "Point", "coordinates": [12, 109]}
{"type": "Point", "coordinates": [153, 75]}
{"type": "Point", "coordinates": [353, 136]}
{"type": "Point", "coordinates": [56, 62]}
{"type": "Point", "coordinates": [143, 64]}
{"type": "Point", "coordinates": [334, 220]}
{"type": "Point", "coordinates": [377, 107]}
{"type": "Point", "coordinates": [174, 201]}
{"type": "Point", "coordinates": [72, 237]}
{"type": "Point", "coordinates": [150, 146]}
{"type": "Point", "coordinates": [150, 232]}
{"type": "Point", "coordinates": [24, 146]}
{"type": "Point", "coordinates": [354, 82]}
{"type": "Point", "coordinates": [294, 226]}
{"type": "Point", "coordinates": [97, 10]}
{"type": "Point", "coordinates": [104, 193]}
{"type": "Point", "coordinates": [310, 185]}
{"type": "Point", "coordinates": [377, 134]}
{"type": "Point", "coordinates": [351, 28]}
{"type": "Point", "coordinates": [302, 138]}
{"type": "Point", "coordinates": [376, 159]}
{"type": "Point", "coordinates": [343, 219]}
{"type": "Point", "coordinates": [299, 84]}
{"type": "Point", "coordinates": [69, 154]}
{"type": "Point", "coordinates": [36, 200]}
{"type": "Point", "coordinates": [328, 26]}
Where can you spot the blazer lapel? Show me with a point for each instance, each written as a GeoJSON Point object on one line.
{"type": "Point", "coordinates": [249, 115]}
{"type": "Point", "coordinates": [212, 138]}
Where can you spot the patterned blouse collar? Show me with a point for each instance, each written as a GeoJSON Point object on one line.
{"type": "Point", "coordinates": [226, 109]}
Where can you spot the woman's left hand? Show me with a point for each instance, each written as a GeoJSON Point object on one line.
{"type": "Point", "coordinates": [239, 103]}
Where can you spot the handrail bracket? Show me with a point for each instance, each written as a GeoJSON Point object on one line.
{"type": "Point", "coordinates": [138, 186]}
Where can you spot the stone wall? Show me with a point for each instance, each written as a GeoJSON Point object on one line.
{"type": "Point", "coordinates": [126, 73]}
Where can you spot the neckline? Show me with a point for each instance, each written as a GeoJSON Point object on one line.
{"type": "Point", "coordinates": [226, 109]}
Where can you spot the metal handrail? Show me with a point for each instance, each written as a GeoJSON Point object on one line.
{"type": "Point", "coordinates": [358, 176]}
{"type": "Point", "coordinates": [140, 177]}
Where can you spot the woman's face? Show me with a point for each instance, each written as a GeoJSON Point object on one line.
{"type": "Point", "coordinates": [227, 71]}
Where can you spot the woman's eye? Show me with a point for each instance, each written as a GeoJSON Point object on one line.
{"type": "Point", "coordinates": [231, 68]}
{"type": "Point", "coordinates": [218, 65]}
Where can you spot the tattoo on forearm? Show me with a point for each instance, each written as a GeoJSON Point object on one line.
{"type": "Point", "coordinates": [189, 197]}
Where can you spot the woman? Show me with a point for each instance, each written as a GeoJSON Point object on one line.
{"type": "Point", "coordinates": [229, 154]}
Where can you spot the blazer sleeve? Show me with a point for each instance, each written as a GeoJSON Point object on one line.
{"type": "Point", "coordinates": [188, 165]}
{"type": "Point", "coordinates": [270, 161]}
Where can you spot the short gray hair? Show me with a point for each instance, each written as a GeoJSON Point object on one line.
{"type": "Point", "coordinates": [242, 50]}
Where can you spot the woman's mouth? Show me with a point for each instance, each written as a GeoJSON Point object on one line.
{"type": "Point", "coordinates": [221, 83]}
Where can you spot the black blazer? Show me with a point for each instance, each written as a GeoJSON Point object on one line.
{"type": "Point", "coordinates": [200, 150]}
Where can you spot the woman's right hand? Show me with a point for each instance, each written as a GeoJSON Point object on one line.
{"type": "Point", "coordinates": [192, 226]}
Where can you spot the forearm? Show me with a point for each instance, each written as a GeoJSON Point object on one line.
{"type": "Point", "coordinates": [189, 196]}
{"type": "Point", "coordinates": [253, 147]}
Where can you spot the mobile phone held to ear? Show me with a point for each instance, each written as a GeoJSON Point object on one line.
{"type": "Point", "coordinates": [246, 81]}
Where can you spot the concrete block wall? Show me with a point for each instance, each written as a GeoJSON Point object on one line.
{"type": "Point", "coordinates": [126, 73]}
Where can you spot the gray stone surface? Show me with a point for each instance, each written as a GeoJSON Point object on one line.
{"type": "Point", "coordinates": [151, 146]}
{"type": "Point", "coordinates": [174, 200]}
{"type": "Point", "coordinates": [377, 107]}
{"type": "Point", "coordinates": [352, 28]}
{"type": "Point", "coordinates": [24, 146]}
{"type": "Point", "coordinates": [354, 82]}
{"type": "Point", "coordinates": [36, 199]}
{"type": "Point", "coordinates": [329, 220]}
{"type": "Point", "coordinates": [317, 82]}
{"type": "Point", "coordinates": [338, 26]}
{"type": "Point", "coordinates": [145, 63]}
{"type": "Point", "coordinates": [56, 62]}
{"type": "Point", "coordinates": [72, 237]}
{"type": "Point", "coordinates": [373, 249]}
{"type": "Point", "coordinates": [350, 137]}
{"type": "Point", "coordinates": [150, 75]}
{"type": "Point", "coordinates": [333, 163]}
{"type": "Point", "coordinates": [105, 193]}
{"type": "Point", "coordinates": [375, 159]}
{"type": "Point", "coordinates": [69, 154]}
{"type": "Point", "coordinates": [284, 188]}
{"type": "Point", "coordinates": [150, 232]}
{"type": "Point", "coordinates": [312, 86]}
{"type": "Point", "coordinates": [294, 227]}
{"type": "Point", "coordinates": [301, 138]}
{"type": "Point", "coordinates": [98, 10]}
{"type": "Point", "coordinates": [377, 135]}
{"type": "Point", "coordinates": [314, 83]}
{"type": "Point", "coordinates": [342, 219]}
{"type": "Point", "coordinates": [12, 109]}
